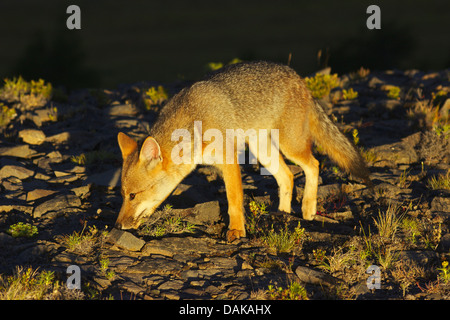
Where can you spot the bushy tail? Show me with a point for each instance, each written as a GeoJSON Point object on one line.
{"type": "Point", "coordinates": [336, 145]}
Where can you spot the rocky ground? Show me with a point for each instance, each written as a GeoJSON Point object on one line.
{"type": "Point", "coordinates": [60, 172]}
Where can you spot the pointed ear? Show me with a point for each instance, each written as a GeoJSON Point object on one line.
{"type": "Point", "coordinates": [150, 151]}
{"type": "Point", "coordinates": [127, 145]}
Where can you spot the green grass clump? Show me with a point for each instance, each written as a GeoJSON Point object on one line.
{"type": "Point", "coordinates": [441, 181]}
{"type": "Point", "coordinates": [21, 229]}
{"type": "Point", "coordinates": [6, 114]}
{"type": "Point", "coordinates": [93, 157]}
{"type": "Point", "coordinates": [28, 285]}
{"type": "Point", "coordinates": [32, 94]}
{"type": "Point", "coordinates": [155, 97]}
{"type": "Point", "coordinates": [295, 291]}
{"type": "Point", "coordinates": [321, 84]}
{"type": "Point", "coordinates": [284, 240]}
{"type": "Point", "coordinates": [349, 94]}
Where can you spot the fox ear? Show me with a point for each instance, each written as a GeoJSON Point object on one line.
{"type": "Point", "coordinates": [150, 151]}
{"type": "Point", "coordinates": [127, 145]}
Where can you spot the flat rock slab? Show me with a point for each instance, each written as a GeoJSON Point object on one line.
{"type": "Point", "coordinates": [315, 277]}
{"type": "Point", "coordinates": [125, 240]}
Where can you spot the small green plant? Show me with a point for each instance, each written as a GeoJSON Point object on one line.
{"type": "Point", "coordinates": [21, 229]}
{"type": "Point", "coordinates": [6, 114]}
{"type": "Point", "coordinates": [93, 157]}
{"type": "Point", "coordinates": [349, 94]}
{"type": "Point", "coordinates": [393, 92]}
{"type": "Point", "coordinates": [444, 272]}
{"type": "Point", "coordinates": [32, 94]}
{"type": "Point", "coordinates": [388, 222]}
{"type": "Point", "coordinates": [155, 97]}
{"type": "Point", "coordinates": [321, 84]}
{"type": "Point", "coordinates": [257, 211]}
{"type": "Point", "coordinates": [284, 240]}
{"type": "Point", "coordinates": [171, 223]}
{"type": "Point", "coordinates": [213, 66]}
{"type": "Point", "coordinates": [28, 284]}
{"type": "Point", "coordinates": [295, 291]}
{"type": "Point", "coordinates": [83, 242]}
{"type": "Point", "coordinates": [104, 265]}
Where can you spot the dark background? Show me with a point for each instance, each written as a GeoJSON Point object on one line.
{"type": "Point", "coordinates": [142, 40]}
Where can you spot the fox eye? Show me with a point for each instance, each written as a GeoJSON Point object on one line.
{"type": "Point", "coordinates": [132, 196]}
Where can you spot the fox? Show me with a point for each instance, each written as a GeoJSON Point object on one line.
{"type": "Point", "coordinates": [256, 95]}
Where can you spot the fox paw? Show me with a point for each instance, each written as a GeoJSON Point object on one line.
{"type": "Point", "coordinates": [235, 234]}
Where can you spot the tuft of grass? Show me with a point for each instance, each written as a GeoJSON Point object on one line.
{"type": "Point", "coordinates": [393, 92]}
{"type": "Point", "coordinates": [93, 157]}
{"type": "Point", "coordinates": [257, 211]}
{"type": "Point", "coordinates": [349, 94]}
{"type": "Point", "coordinates": [389, 222]}
{"type": "Point", "coordinates": [295, 291]}
{"type": "Point", "coordinates": [6, 114]}
{"type": "Point", "coordinates": [441, 181]}
{"type": "Point", "coordinates": [28, 284]}
{"type": "Point", "coordinates": [83, 242]}
{"type": "Point", "coordinates": [284, 240]}
{"type": "Point", "coordinates": [155, 97]}
{"type": "Point", "coordinates": [166, 222]}
{"type": "Point", "coordinates": [34, 93]}
{"type": "Point", "coordinates": [321, 84]}
{"type": "Point", "coordinates": [21, 229]}
{"type": "Point", "coordinates": [213, 66]}
{"type": "Point", "coordinates": [444, 272]}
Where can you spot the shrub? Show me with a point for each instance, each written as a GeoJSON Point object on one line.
{"type": "Point", "coordinates": [321, 84]}
{"type": "Point", "coordinates": [31, 94]}
{"type": "Point", "coordinates": [21, 229]}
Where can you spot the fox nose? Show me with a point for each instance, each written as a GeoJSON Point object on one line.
{"type": "Point", "coordinates": [118, 225]}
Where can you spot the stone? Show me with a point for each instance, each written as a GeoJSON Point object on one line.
{"type": "Point", "coordinates": [315, 277]}
{"type": "Point", "coordinates": [32, 136]}
{"type": "Point", "coordinates": [421, 257]}
{"type": "Point", "coordinates": [20, 151]}
{"type": "Point", "coordinates": [440, 204]}
{"type": "Point", "coordinates": [125, 240]}
{"type": "Point", "coordinates": [38, 194]}
{"type": "Point", "coordinates": [206, 213]}
{"type": "Point", "coordinates": [172, 285]}
{"type": "Point", "coordinates": [124, 110]}
{"type": "Point", "coordinates": [59, 138]}
{"type": "Point", "coordinates": [15, 171]}
{"type": "Point", "coordinates": [110, 178]}
{"type": "Point", "coordinates": [62, 202]}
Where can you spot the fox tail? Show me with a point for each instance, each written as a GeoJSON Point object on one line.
{"type": "Point", "coordinates": [336, 145]}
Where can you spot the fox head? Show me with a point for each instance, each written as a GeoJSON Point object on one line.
{"type": "Point", "coordinates": [145, 182]}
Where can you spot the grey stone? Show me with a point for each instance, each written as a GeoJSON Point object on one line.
{"type": "Point", "coordinates": [110, 178]}
{"type": "Point", "coordinates": [125, 240]}
{"type": "Point", "coordinates": [63, 202]}
{"type": "Point", "coordinates": [418, 256]}
{"type": "Point", "coordinates": [172, 285]}
{"type": "Point", "coordinates": [19, 151]}
{"type": "Point", "coordinates": [206, 213]}
{"type": "Point", "coordinates": [15, 171]}
{"type": "Point", "coordinates": [126, 110]}
{"type": "Point", "coordinates": [32, 136]}
{"type": "Point", "coordinates": [315, 277]}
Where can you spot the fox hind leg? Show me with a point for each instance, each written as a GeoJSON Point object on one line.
{"type": "Point", "coordinates": [310, 166]}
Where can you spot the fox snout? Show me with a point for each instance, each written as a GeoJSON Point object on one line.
{"type": "Point", "coordinates": [125, 221]}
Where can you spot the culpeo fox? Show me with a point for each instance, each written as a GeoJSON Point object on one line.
{"type": "Point", "coordinates": [258, 96]}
